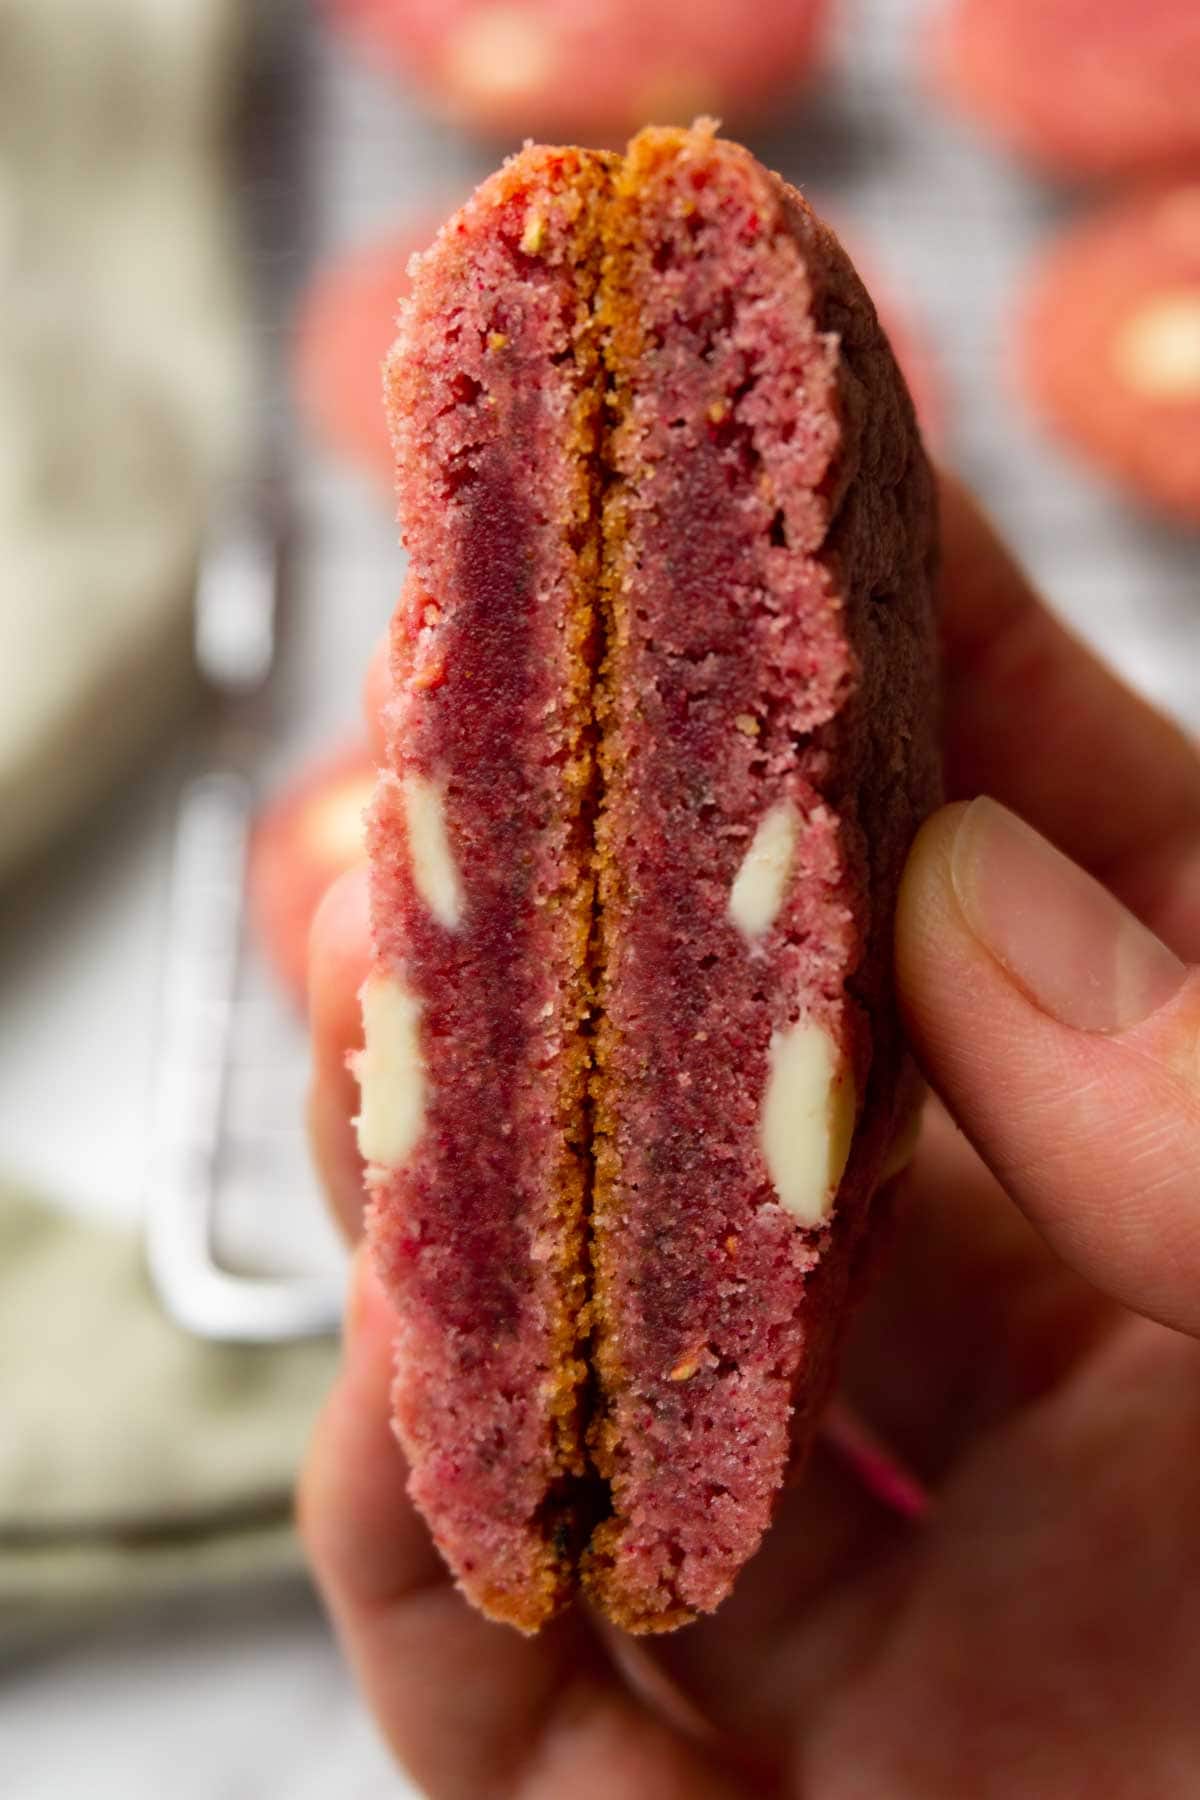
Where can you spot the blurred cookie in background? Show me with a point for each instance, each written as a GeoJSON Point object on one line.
{"type": "Point", "coordinates": [1109, 343]}
{"type": "Point", "coordinates": [312, 833]}
{"type": "Point", "coordinates": [591, 70]}
{"type": "Point", "coordinates": [344, 329]}
{"type": "Point", "coordinates": [347, 321]}
{"type": "Point", "coordinates": [1083, 87]}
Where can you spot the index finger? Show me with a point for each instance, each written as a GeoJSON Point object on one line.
{"type": "Point", "coordinates": [1034, 719]}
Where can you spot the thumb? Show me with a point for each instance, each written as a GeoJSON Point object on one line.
{"type": "Point", "coordinates": [1065, 1039]}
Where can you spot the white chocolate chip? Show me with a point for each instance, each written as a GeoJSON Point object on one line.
{"type": "Point", "coordinates": [807, 1120]}
{"type": "Point", "coordinates": [391, 1074]}
{"type": "Point", "coordinates": [1157, 352]}
{"type": "Point", "coordinates": [500, 53]}
{"type": "Point", "coordinates": [761, 882]}
{"type": "Point", "coordinates": [429, 849]}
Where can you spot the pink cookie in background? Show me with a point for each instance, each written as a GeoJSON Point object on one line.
{"type": "Point", "coordinates": [347, 323]}
{"type": "Point", "coordinates": [1088, 87]}
{"type": "Point", "coordinates": [1109, 344]}
{"type": "Point", "coordinates": [308, 836]}
{"type": "Point", "coordinates": [590, 69]}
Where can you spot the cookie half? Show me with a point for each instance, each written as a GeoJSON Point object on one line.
{"type": "Point", "coordinates": [661, 732]}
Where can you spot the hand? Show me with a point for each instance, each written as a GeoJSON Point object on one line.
{"type": "Point", "coordinates": [1029, 1351]}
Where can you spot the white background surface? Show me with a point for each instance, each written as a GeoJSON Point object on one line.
{"type": "Point", "coordinates": [254, 1703]}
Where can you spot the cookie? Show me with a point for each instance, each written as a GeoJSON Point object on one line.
{"type": "Point", "coordinates": [347, 322]}
{"type": "Point", "coordinates": [312, 833]}
{"type": "Point", "coordinates": [522, 67]}
{"type": "Point", "coordinates": [1109, 343]}
{"type": "Point", "coordinates": [1081, 87]}
{"type": "Point", "coordinates": [662, 728]}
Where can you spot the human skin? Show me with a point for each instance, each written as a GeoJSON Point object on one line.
{"type": "Point", "coordinates": [1028, 1351]}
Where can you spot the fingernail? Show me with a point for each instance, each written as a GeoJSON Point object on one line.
{"type": "Point", "coordinates": [1067, 943]}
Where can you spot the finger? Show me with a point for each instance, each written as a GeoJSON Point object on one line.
{"type": "Point", "coordinates": [971, 1316]}
{"type": "Point", "coordinates": [377, 688]}
{"type": "Point", "coordinates": [339, 957]}
{"type": "Point", "coordinates": [1036, 720]}
{"type": "Point", "coordinates": [1065, 1039]}
{"type": "Point", "coordinates": [1054, 1610]}
{"type": "Point", "coordinates": [467, 1706]}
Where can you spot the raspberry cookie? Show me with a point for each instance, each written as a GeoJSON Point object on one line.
{"type": "Point", "coordinates": [596, 71]}
{"type": "Point", "coordinates": [348, 320]}
{"type": "Point", "coordinates": [1090, 87]}
{"type": "Point", "coordinates": [662, 729]}
{"type": "Point", "coordinates": [1110, 343]}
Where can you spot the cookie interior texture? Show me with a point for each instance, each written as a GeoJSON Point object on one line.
{"type": "Point", "coordinates": [661, 731]}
